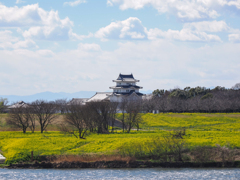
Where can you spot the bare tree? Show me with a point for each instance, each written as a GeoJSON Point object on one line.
{"type": "Point", "coordinates": [62, 105]}
{"type": "Point", "coordinates": [196, 103]}
{"type": "Point", "coordinates": [68, 130]}
{"type": "Point", "coordinates": [208, 102]}
{"type": "Point", "coordinates": [198, 99]}
{"type": "Point", "coordinates": [89, 115]}
{"type": "Point", "coordinates": [77, 118]}
{"type": "Point", "coordinates": [113, 112]}
{"type": "Point", "coordinates": [175, 104]}
{"type": "Point", "coordinates": [161, 103]}
{"type": "Point", "coordinates": [31, 117]}
{"type": "Point", "coordinates": [101, 111]}
{"type": "Point", "coordinates": [150, 104]}
{"type": "Point", "coordinates": [18, 117]}
{"type": "Point", "coordinates": [45, 112]}
{"type": "Point", "coordinates": [123, 106]}
{"type": "Point", "coordinates": [186, 105]}
{"type": "Point", "coordinates": [133, 116]}
{"type": "Point", "coordinates": [236, 86]}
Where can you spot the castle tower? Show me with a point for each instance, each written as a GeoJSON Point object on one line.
{"type": "Point", "coordinates": [126, 85]}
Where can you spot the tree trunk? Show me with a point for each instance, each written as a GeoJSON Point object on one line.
{"type": "Point", "coordinates": [42, 129]}
{"type": "Point", "coordinates": [24, 129]}
{"type": "Point", "coordinates": [113, 124]}
{"type": "Point", "coordinates": [123, 122]}
{"type": "Point", "coordinates": [80, 133]}
{"type": "Point", "coordinates": [99, 129]}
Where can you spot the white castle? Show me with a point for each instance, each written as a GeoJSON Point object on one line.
{"type": "Point", "coordinates": [126, 86]}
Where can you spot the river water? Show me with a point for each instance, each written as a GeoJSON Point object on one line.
{"type": "Point", "coordinates": [153, 173]}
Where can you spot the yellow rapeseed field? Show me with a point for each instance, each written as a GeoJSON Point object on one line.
{"type": "Point", "coordinates": [201, 130]}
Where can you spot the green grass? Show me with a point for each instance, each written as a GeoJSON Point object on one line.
{"type": "Point", "coordinates": [202, 130]}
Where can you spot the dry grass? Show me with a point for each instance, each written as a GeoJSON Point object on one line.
{"type": "Point", "coordinates": [89, 158]}
{"type": "Point", "coordinates": [3, 118]}
{"type": "Point", "coordinates": [51, 127]}
{"type": "Point", "coordinates": [217, 154]}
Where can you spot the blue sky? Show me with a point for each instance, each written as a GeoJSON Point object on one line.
{"type": "Point", "coordinates": [82, 45]}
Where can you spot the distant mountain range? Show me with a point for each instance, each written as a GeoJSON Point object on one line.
{"type": "Point", "coordinates": [50, 96]}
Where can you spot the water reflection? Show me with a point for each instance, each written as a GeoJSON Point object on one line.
{"type": "Point", "coordinates": [155, 173]}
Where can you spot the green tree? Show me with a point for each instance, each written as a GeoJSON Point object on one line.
{"type": "Point", "coordinates": [3, 104]}
{"type": "Point", "coordinates": [158, 92]}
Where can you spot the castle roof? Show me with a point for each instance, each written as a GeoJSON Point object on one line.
{"type": "Point", "coordinates": [128, 93]}
{"type": "Point", "coordinates": [126, 86]}
{"type": "Point", "coordinates": [126, 77]}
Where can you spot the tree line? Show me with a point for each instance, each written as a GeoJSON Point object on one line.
{"type": "Point", "coordinates": [97, 116]}
{"type": "Point", "coordinates": [198, 99]}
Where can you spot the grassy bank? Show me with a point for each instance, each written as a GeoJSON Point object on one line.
{"type": "Point", "coordinates": [202, 130]}
{"type": "Point", "coordinates": [193, 121]}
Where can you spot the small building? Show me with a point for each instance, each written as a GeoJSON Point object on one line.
{"type": "Point", "coordinates": [79, 101]}
{"type": "Point", "coordinates": [16, 105]}
{"type": "Point", "coordinates": [101, 96]}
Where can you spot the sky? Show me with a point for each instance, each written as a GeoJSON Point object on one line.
{"type": "Point", "coordinates": [82, 45]}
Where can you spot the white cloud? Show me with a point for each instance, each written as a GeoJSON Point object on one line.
{"type": "Point", "coordinates": [207, 26]}
{"type": "Point", "coordinates": [234, 37]}
{"type": "Point", "coordinates": [89, 47]}
{"type": "Point", "coordinates": [7, 36]}
{"type": "Point", "coordinates": [74, 3]}
{"type": "Point", "coordinates": [79, 37]}
{"type": "Point", "coordinates": [130, 28]}
{"type": "Point", "coordinates": [195, 31]}
{"type": "Point", "coordinates": [25, 16]}
{"type": "Point", "coordinates": [7, 41]}
{"type": "Point", "coordinates": [234, 3]}
{"type": "Point", "coordinates": [20, 1]}
{"type": "Point", "coordinates": [109, 3]}
{"type": "Point", "coordinates": [182, 35]}
{"type": "Point", "coordinates": [26, 44]}
{"type": "Point", "coordinates": [42, 24]}
{"type": "Point", "coordinates": [158, 64]}
{"type": "Point", "coordinates": [48, 33]}
{"type": "Point", "coordinates": [45, 53]}
{"type": "Point", "coordinates": [185, 10]}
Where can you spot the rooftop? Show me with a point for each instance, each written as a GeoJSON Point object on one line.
{"type": "Point", "coordinates": [78, 101]}
{"type": "Point", "coordinates": [126, 86]}
{"type": "Point", "coordinates": [100, 96]}
{"type": "Point", "coordinates": [129, 93]}
{"type": "Point", "coordinates": [126, 77]}
{"type": "Point", "coordinates": [18, 105]}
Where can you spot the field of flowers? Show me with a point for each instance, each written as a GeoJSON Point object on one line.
{"type": "Point", "coordinates": [194, 121]}
{"type": "Point", "coordinates": [201, 130]}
